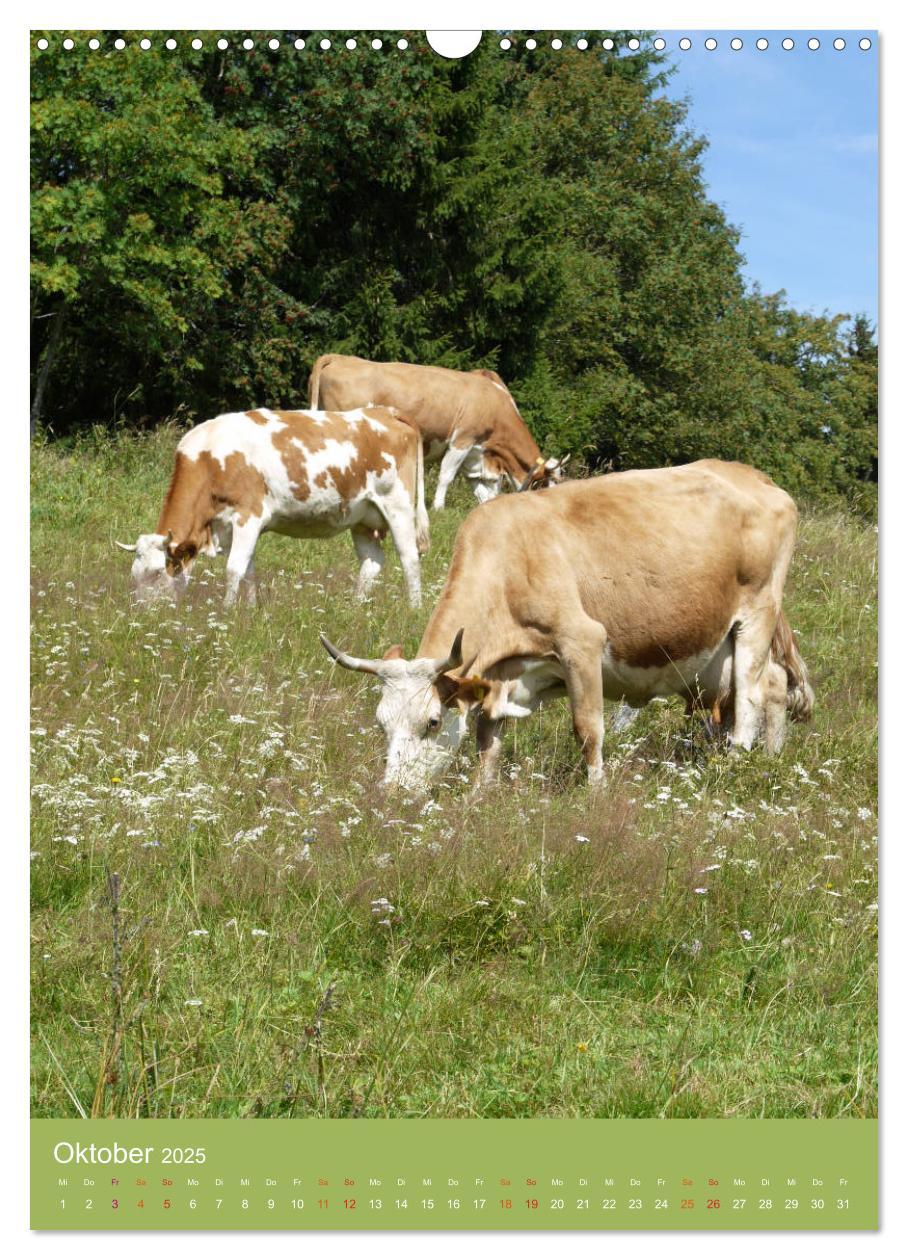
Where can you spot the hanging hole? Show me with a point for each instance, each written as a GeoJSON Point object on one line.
{"type": "Point", "coordinates": [453, 44]}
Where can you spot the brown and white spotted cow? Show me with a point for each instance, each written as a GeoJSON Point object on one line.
{"type": "Point", "coordinates": [309, 474]}
{"type": "Point", "coordinates": [640, 584]}
{"type": "Point", "coordinates": [469, 420]}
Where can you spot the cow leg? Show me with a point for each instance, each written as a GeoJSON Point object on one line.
{"type": "Point", "coordinates": [371, 557]}
{"type": "Point", "coordinates": [397, 509]}
{"type": "Point", "coordinates": [775, 690]}
{"type": "Point", "coordinates": [240, 562]}
{"type": "Point", "coordinates": [488, 742]}
{"type": "Point", "coordinates": [581, 656]}
{"type": "Point", "coordinates": [752, 645]}
{"type": "Point", "coordinates": [487, 488]}
{"type": "Point", "coordinates": [450, 466]}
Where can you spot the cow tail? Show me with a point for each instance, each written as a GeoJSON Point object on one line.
{"type": "Point", "coordinates": [785, 653]}
{"type": "Point", "coordinates": [422, 516]}
{"type": "Point", "coordinates": [314, 378]}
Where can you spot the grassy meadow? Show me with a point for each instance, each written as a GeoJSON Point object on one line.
{"type": "Point", "coordinates": [230, 919]}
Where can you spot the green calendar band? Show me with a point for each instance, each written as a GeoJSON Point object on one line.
{"type": "Point", "coordinates": [454, 1174]}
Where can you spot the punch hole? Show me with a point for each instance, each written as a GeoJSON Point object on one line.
{"type": "Point", "coordinates": [42, 44]}
{"type": "Point", "coordinates": [788, 44]}
{"type": "Point", "coordinates": [453, 44]}
{"type": "Point", "coordinates": [658, 43]}
{"type": "Point", "coordinates": [96, 43]}
{"type": "Point", "coordinates": [633, 43]}
{"type": "Point", "coordinates": [608, 44]}
{"type": "Point", "coordinates": [838, 44]}
{"type": "Point", "coordinates": [762, 44]}
{"type": "Point", "coordinates": [712, 44]}
{"type": "Point", "coordinates": [684, 44]}
{"type": "Point", "coordinates": [170, 44]}
{"type": "Point", "coordinates": [864, 44]}
{"type": "Point", "coordinates": [737, 43]}
{"type": "Point", "coordinates": [376, 44]}
{"type": "Point", "coordinates": [813, 44]}
{"type": "Point", "coordinates": [197, 44]}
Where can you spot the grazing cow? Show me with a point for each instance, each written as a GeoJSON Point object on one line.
{"type": "Point", "coordinates": [309, 474]}
{"type": "Point", "coordinates": [468, 419]}
{"type": "Point", "coordinates": [640, 584]}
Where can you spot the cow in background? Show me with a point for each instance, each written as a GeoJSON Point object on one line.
{"type": "Point", "coordinates": [467, 419]}
{"type": "Point", "coordinates": [307, 474]}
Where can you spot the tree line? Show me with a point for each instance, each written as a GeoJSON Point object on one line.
{"type": "Point", "coordinates": [206, 223]}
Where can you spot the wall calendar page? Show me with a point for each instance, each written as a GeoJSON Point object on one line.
{"type": "Point", "coordinates": [454, 633]}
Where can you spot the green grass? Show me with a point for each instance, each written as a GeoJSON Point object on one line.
{"type": "Point", "coordinates": [228, 774]}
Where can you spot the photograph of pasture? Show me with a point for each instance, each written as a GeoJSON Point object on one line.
{"type": "Point", "coordinates": [453, 577]}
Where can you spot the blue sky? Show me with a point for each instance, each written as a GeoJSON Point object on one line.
{"type": "Point", "coordinates": [792, 158]}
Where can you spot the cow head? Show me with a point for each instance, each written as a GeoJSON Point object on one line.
{"type": "Point", "coordinates": [545, 472]}
{"type": "Point", "coordinates": [159, 568]}
{"type": "Point", "coordinates": [422, 710]}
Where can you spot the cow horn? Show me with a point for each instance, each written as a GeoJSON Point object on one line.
{"type": "Point", "coordinates": [349, 662]}
{"type": "Point", "coordinates": [454, 657]}
{"type": "Point", "coordinates": [125, 546]}
{"type": "Point", "coordinates": [525, 484]}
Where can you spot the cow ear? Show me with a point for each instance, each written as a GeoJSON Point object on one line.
{"type": "Point", "coordinates": [468, 691]}
{"type": "Point", "coordinates": [394, 653]}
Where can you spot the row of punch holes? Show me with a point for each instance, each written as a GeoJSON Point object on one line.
{"type": "Point", "coordinates": [506, 43]}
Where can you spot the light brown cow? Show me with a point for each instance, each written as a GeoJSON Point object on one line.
{"type": "Point", "coordinates": [640, 584]}
{"type": "Point", "coordinates": [309, 474]}
{"type": "Point", "coordinates": [468, 419]}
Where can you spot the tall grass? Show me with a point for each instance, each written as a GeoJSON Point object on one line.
{"type": "Point", "coordinates": [230, 919]}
